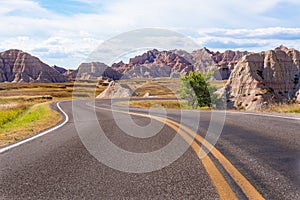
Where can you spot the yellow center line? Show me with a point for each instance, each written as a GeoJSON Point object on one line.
{"type": "Point", "coordinates": [223, 188]}
{"type": "Point", "coordinates": [242, 182]}
{"type": "Point", "coordinates": [218, 180]}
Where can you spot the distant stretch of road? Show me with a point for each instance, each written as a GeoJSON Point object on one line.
{"type": "Point", "coordinates": [257, 156]}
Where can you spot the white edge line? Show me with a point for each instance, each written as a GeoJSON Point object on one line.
{"type": "Point", "coordinates": [249, 113]}
{"type": "Point", "coordinates": [266, 115]}
{"type": "Point", "coordinates": [38, 135]}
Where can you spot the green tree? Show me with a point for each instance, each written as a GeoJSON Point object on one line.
{"type": "Point", "coordinates": [195, 89]}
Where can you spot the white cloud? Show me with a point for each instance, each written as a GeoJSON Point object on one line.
{"type": "Point", "coordinates": [252, 33]}
{"type": "Point", "coordinates": [68, 52]}
{"type": "Point", "coordinates": [249, 39]}
{"type": "Point", "coordinates": [28, 26]}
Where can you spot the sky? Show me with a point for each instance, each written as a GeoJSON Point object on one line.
{"type": "Point", "coordinates": [65, 32]}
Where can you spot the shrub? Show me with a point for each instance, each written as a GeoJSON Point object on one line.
{"type": "Point", "coordinates": [195, 89]}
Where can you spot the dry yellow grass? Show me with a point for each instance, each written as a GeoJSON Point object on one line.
{"type": "Point", "coordinates": [161, 87]}
{"type": "Point", "coordinates": [218, 83]}
{"type": "Point", "coordinates": [56, 90]}
{"type": "Point", "coordinates": [168, 104]}
{"type": "Point", "coordinates": [285, 108]}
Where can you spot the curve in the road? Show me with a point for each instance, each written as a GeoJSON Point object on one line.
{"type": "Point", "coordinates": [218, 159]}
{"type": "Point", "coordinates": [218, 180]}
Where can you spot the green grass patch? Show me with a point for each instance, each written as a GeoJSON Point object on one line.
{"type": "Point", "coordinates": [8, 115]}
{"type": "Point", "coordinates": [28, 122]}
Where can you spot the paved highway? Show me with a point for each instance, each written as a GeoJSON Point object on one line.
{"type": "Point", "coordinates": [256, 156]}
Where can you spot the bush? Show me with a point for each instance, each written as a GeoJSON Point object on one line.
{"type": "Point", "coordinates": [195, 89]}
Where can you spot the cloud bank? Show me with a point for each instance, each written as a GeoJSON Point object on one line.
{"type": "Point", "coordinates": [65, 33]}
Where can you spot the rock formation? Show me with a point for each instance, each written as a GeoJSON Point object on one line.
{"type": "Point", "coordinates": [174, 63]}
{"type": "Point", "coordinates": [18, 66]}
{"type": "Point", "coordinates": [94, 71]}
{"type": "Point", "coordinates": [259, 79]}
{"type": "Point", "coordinates": [61, 70]}
{"type": "Point", "coordinates": [206, 60]}
{"type": "Point", "coordinates": [153, 64]}
{"type": "Point", "coordinates": [70, 73]}
{"type": "Point", "coordinates": [116, 90]}
{"type": "Point", "coordinates": [298, 96]}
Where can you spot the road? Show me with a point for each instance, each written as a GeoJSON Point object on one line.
{"type": "Point", "coordinates": [256, 156]}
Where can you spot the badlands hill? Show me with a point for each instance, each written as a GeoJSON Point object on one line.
{"type": "Point", "coordinates": [153, 64]}
{"type": "Point", "coordinates": [255, 80]}
{"type": "Point", "coordinates": [18, 66]}
{"type": "Point", "coordinates": [205, 60]}
{"type": "Point", "coordinates": [259, 79]}
{"type": "Point", "coordinates": [94, 71]}
{"type": "Point", "coordinates": [173, 63]}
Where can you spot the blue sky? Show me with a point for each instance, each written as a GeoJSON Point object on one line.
{"type": "Point", "coordinates": [65, 32]}
{"type": "Point", "coordinates": [66, 7]}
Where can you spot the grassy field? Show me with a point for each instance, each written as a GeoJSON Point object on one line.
{"type": "Point", "coordinates": [19, 120]}
{"type": "Point", "coordinates": [56, 90]}
{"type": "Point", "coordinates": [24, 107]}
{"type": "Point", "coordinates": [161, 87]}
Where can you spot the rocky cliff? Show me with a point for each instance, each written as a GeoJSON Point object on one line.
{"type": "Point", "coordinates": [94, 71]}
{"type": "Point", "coordinates": [18, 66]}
{"type": "Point", "coordinates": [298, 96]}
{"type": "Point", "coordinates": [259, 79]}
{"type": "Point", "coordinates": [61, 70]}
{"type": "Point", "coordinates": [173, 63]}
{"type": "Point", "coordinates": [153, 64]}
{"type": "Point", "coordinates": [116, 90]}
{"type": "Point", "coordinates": [206, 60]}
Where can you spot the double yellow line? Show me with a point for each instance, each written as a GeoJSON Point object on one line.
{"type": "Point", "coordinates": [223, 188]}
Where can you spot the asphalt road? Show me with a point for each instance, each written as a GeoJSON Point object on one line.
{"type": "Point", "coordinates": [263, 150]}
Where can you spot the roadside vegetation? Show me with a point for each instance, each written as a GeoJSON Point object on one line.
{"type": "Point", "coordinates": [196, 89]}
{"type": "Point", "coordinates": [23, 117]}
{"type": "Point", "coordinates": [24, 107]}
{"type": "Point", "coordinates": [168, 88]}
{"type": "Point", "coordinates": [9, 114]}
{"type": "Point", "coordinates": [285, 108]}
{"type": "Point", "coordinates": [162, 87]}
{"type": "Point", "coordinates": [167, 104]}
{"type": "Point", "coordinates": [182, 104]}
